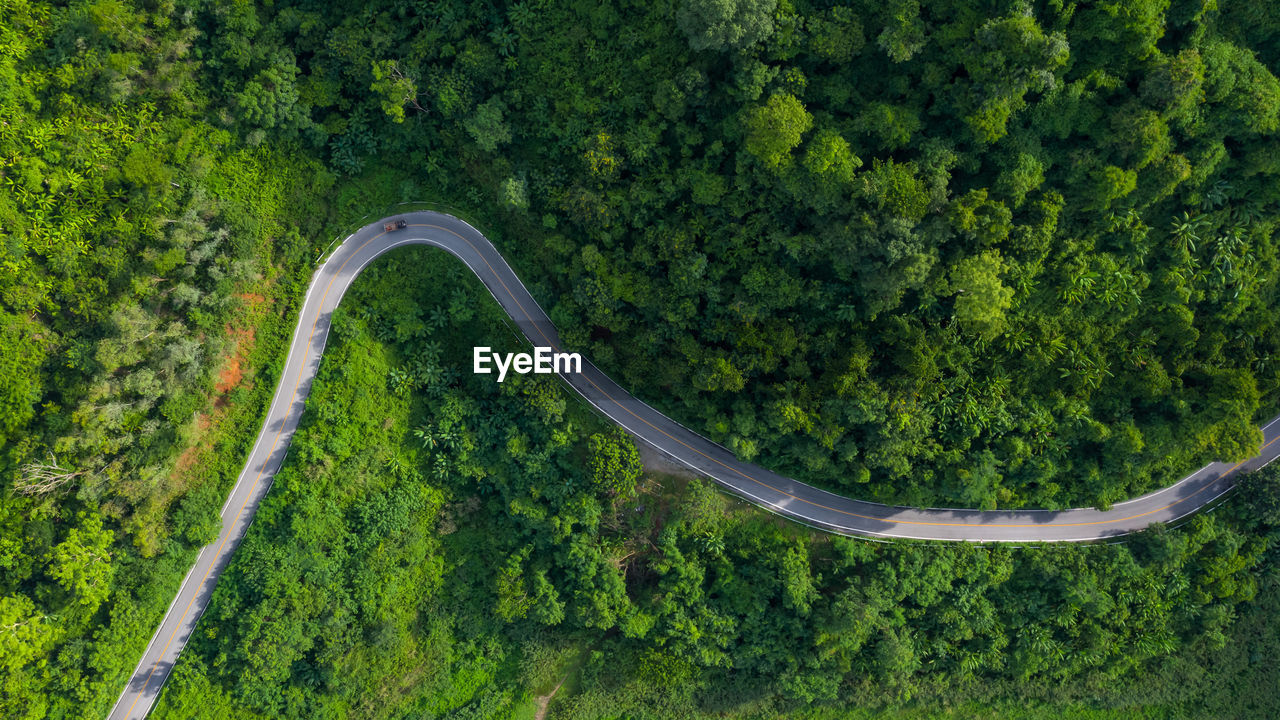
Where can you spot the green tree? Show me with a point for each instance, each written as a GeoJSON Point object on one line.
{"type": "Point", "coordinates": [143, 168]}
{"type": "Point", "coordinates": [774, 129]}
{"type": "Point", "coordinates": [22, 351]}
{"type": "Point", "coordinates": [513, 193]}
{"type": "Point", "coordinates": [1245, 92]}
{"type": "Point", "coordinates": [836, 36]}
{"type": "Point", "coordinates": [1108, 184]}
{"type": "Point", "coordinates": [725, 24]}
{"type": "Point", "coordinates": [896, 661]}
{"type": "Point", "coordinates": [1023, 175]}
{"type": "Point", "coordinates": [891, 125]}
{"type": "Point", "coordinates": [903, 34]}
{"type": "Point", "coordinates": [270, 100]}
{"type": "Point", "coordinates": [706, 188]}
{"type": "Point", "coordinates": [981, 299]}
{"type": "Point", "coordinates": [897, 188]}
{"type": "Point", "coordinates": [1120, 32]}
{"type": "Point", "coordinates": [614, 463]}
{"type": "Point", "coordinates": [394, 88]}
{"type": "Point", "coordinates": [487, 126]}
{"type": "Point", "coordinates": [829, 157]}
{"type": "Point", "coordinates": [1176, 85]}
{"type": "Point", "coordinates": [82, 562]}
{"type": "Point", "coordinates": [25, 634]}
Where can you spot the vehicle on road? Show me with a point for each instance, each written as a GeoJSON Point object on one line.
{"type": "Point", "coordinates": [772, 491]}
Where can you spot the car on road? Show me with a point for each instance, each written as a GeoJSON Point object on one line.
{"type": "Point", "coordinates": [395, 225]}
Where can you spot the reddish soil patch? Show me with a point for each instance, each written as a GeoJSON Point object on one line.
{"type": "Point", "coordinates": [232, 373]}
{"type": "Point", "coordinates": [241, 333]}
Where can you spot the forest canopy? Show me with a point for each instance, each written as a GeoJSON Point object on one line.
{"type": "Point", "coordinates": [868, 244]}
{"type": "Point", "coordinates": [991, 254]}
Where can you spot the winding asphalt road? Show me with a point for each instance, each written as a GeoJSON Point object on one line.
{"type": "Point", "coordinates": [787, 497]}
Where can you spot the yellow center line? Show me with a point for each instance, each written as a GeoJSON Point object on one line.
{"type": "Point", "coordinates": [810, 502]}
{"type": "Point", "coordinates": [274, 443]}
{"type": "Point", "coordinates": [515, 298]}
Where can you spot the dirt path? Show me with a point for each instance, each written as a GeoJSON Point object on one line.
{"type": "Point", "coordinates": [545, 700]}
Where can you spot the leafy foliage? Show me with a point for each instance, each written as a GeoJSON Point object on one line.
{"type": "Point", "coordinates": [140, 244]}
{"type": "Point", "coordinates": [374, 573]}
{"type": "Point", "coordinates": [929, 253]}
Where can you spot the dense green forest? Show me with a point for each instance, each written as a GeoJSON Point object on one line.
{"type": "Point", "coordinates": [442, 546]}
{"type": "Point", "coordinates": [987, 254]}
{"type": "Point", "coordinates": [149, 259]}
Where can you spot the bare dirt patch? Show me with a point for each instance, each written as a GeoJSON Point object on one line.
{"type": "Point", "coordinates": [656, 461]}
{"type": "Point", "coordinates": [232, 373]}
{"type": "Point", "coordinates": [241, 333]}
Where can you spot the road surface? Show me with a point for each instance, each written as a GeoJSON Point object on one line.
{"type": "Point", "coordinates": [782, 495]}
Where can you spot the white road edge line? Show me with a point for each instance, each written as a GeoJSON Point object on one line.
{"type": "Point", "coordinates": [302, 363]}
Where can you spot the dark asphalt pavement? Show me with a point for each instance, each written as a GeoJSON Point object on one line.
{"type": "Point", "coordinates": [784, 496]}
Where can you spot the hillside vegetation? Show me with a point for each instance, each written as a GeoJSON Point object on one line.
{"type": "Point", "coordinates": [980, 254]}
{"type": "Point", "coordinates": [442, 546]}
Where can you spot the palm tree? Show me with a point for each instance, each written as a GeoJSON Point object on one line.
{"type": "Point", "coordinates": [1016, 339]}
{"type": "Point", "coordinates": [847, 313]}
{"type": "Point", "coordinates": [1184, 230]}
{"type": "Point", "coordinates": [439, 318]}
{"type": "Point", "coordinates": [434, 438]}
{"type": "Point", "coordinates": [427, 434]}
{"type": "Point", "coordinates": [711, 543]}
{"type": "Point", "coordinates": [440, 468]}
{"type": "Point", "coordinates": [1215, 196]}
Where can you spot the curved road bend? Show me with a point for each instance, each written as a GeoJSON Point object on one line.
{"type": "Point", "coordinates": [769, 490]}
